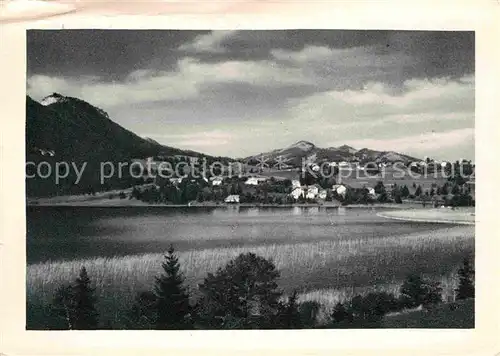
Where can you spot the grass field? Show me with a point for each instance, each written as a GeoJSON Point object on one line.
{"type": "Point", "coordinates": [326, 271]}
{"type": "Point", "coordinates": [451, 315]}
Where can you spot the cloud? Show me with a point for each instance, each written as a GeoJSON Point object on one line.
{"type": "Point", "coordinates": [258, 90]}
{"type": "Point", "coordinates": [307, 55]}
{"type": "Point", "coordinates": [149, 86]}
{"type": "Point", "coordinates": [424, 142]}
{"type": "Point", "coordinates": [378, 101]}
{"type": "Point", "coordinates": [429, 116]}
{"type": "Point", "coordinates": [197, 141]}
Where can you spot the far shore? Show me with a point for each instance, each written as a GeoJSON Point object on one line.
{"type": "Point", "coordinates": [76, 201]}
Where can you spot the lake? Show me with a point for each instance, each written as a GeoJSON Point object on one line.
{"type": "Point", "coordinates": [66, 233]}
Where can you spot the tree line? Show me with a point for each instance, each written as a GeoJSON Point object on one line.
{"type": "Point", "coordinates": [244, 294]}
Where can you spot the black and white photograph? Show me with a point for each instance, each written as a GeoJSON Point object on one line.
{"type": "Point", "coordinates": [250, 179]}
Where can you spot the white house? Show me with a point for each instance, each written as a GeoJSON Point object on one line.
{"type": "Point", "coordinates": [252, 181]}
{"type": "Point", "coordinates": [371, 191]}
{"type": "Point", "coordinates": [297, 193]}
{"type": "Point", "coordinates": [232, 199]}
{"type": "Point", "coordinates": [217, 181]}
{"type": "Point", "coordinates": [176, 180]}
{"type": "Point", "coordinates": [313, 189]}
{"type": "Point", "coordinates": [193, 160]}
{"type": "Point", "coordinates": [255, 180]}
{"type": "Point", "coordinates": [339, 189]}
{"type": "Point", "coordinates": [295, 183]}
{"type": "Point", "coordinates": [312, 192]}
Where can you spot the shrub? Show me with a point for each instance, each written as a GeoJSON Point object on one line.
{"type": "Point", "coordinates": [373, 306]}
{"type": "Point", "coordinates": [364, 311]}
{"type": "Point", "coordinates": [465, 287]}
{"type": "Point", "coordinates": [309, 313]}
{"type": "Point", "coordinates": [379, 187]}
{"type": "Point", "coordinates": [143, 314]}
{"type": "Point", "coordinates": [243, 294]}
{"type": "Point", "coordinates": [416, 291]}
{"type": "Point", "coordinates": [288, 315]}
{"type": "Point", "coordinates": [63, 307]}
{"type": "Point", "coordinates": [340, 313]}
{"type": "Point", "coordinates": [75, 304]}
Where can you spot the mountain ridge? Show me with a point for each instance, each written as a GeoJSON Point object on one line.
{"type": "Point", "coordinates": [69, 130]}
{"type": "Point", "coordinates": [300, 150]}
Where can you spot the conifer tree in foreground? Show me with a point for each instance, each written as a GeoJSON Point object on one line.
{"type": "Point", "coordinates": [85, 314]}
{"type": "Point", "coordinates": [289, 315]}
{"type": "Point", "coordinates": [75, 304]}
{"type": "Point", "coordinates": [340, 313]}
{"type": "Point", "coordinates": [466, 281]}
{"type": "Point", "coordinates": [242, 295]}
{"type": "Point", "coordinates": [143, 314]}
{"type": "Point", "coordinates": [172, 298]}
{"type": "Point", "coordinates": [63, 306]}
{"type": "Point", "coordinates": [417, 291]}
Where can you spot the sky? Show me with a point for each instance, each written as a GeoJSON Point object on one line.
{"type": "Point", "coordinates": [239, 93]}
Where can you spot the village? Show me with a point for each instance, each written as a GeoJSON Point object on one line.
{"type": "Point", "coordinates": [428, 183]}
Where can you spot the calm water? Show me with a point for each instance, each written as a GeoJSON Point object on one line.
{"type": "Point", "coordinates": [62, 233]}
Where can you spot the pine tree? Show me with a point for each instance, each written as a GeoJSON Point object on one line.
{"type": "Point", "coordinates": [85, 314]}
{"type": "Point", "coordinates": [418, 192]}
{"type": "Point", "coordinates": [290, 315]}
{"type": "Point", "coordinates": [309, 311]}
{"type": "Point", "coordinates": [63, 306]}
{"type": "Point", "coordinates": [143, 314]}
{"type": "Point", "coordinates": [173, 307]}
{"type": "Point", "coordinates": [465, 287]}
{"type": "Point", "coordinates": [417, 291]}
{"type": "Point", "coordinates": [340, 313]}
{"type": "Point", "coordinates": [379, 187]}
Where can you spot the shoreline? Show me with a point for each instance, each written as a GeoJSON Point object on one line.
{"type": "Point", "coordinates": [140, 204]}
{"type": "Point", "coordinates": [457, 217]}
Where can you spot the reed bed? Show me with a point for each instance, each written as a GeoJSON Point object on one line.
{"type": "Point", "coordinates": [325, 271]}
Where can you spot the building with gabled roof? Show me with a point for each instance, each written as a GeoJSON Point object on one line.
{"type": "Point", "coordinates": [232, 199]}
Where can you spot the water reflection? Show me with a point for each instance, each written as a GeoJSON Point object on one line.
{"type": "Point", "coordinates": [296, 210]}
{"type": "Point", "coordinates": [313, 210]}
{"type": "Point", "coordinates": [75, 232]}
{"type": "Point", "coordinates": [252, 211]}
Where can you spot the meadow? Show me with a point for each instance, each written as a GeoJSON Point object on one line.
{"type": "Point", "coordinates": [325, 271]}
